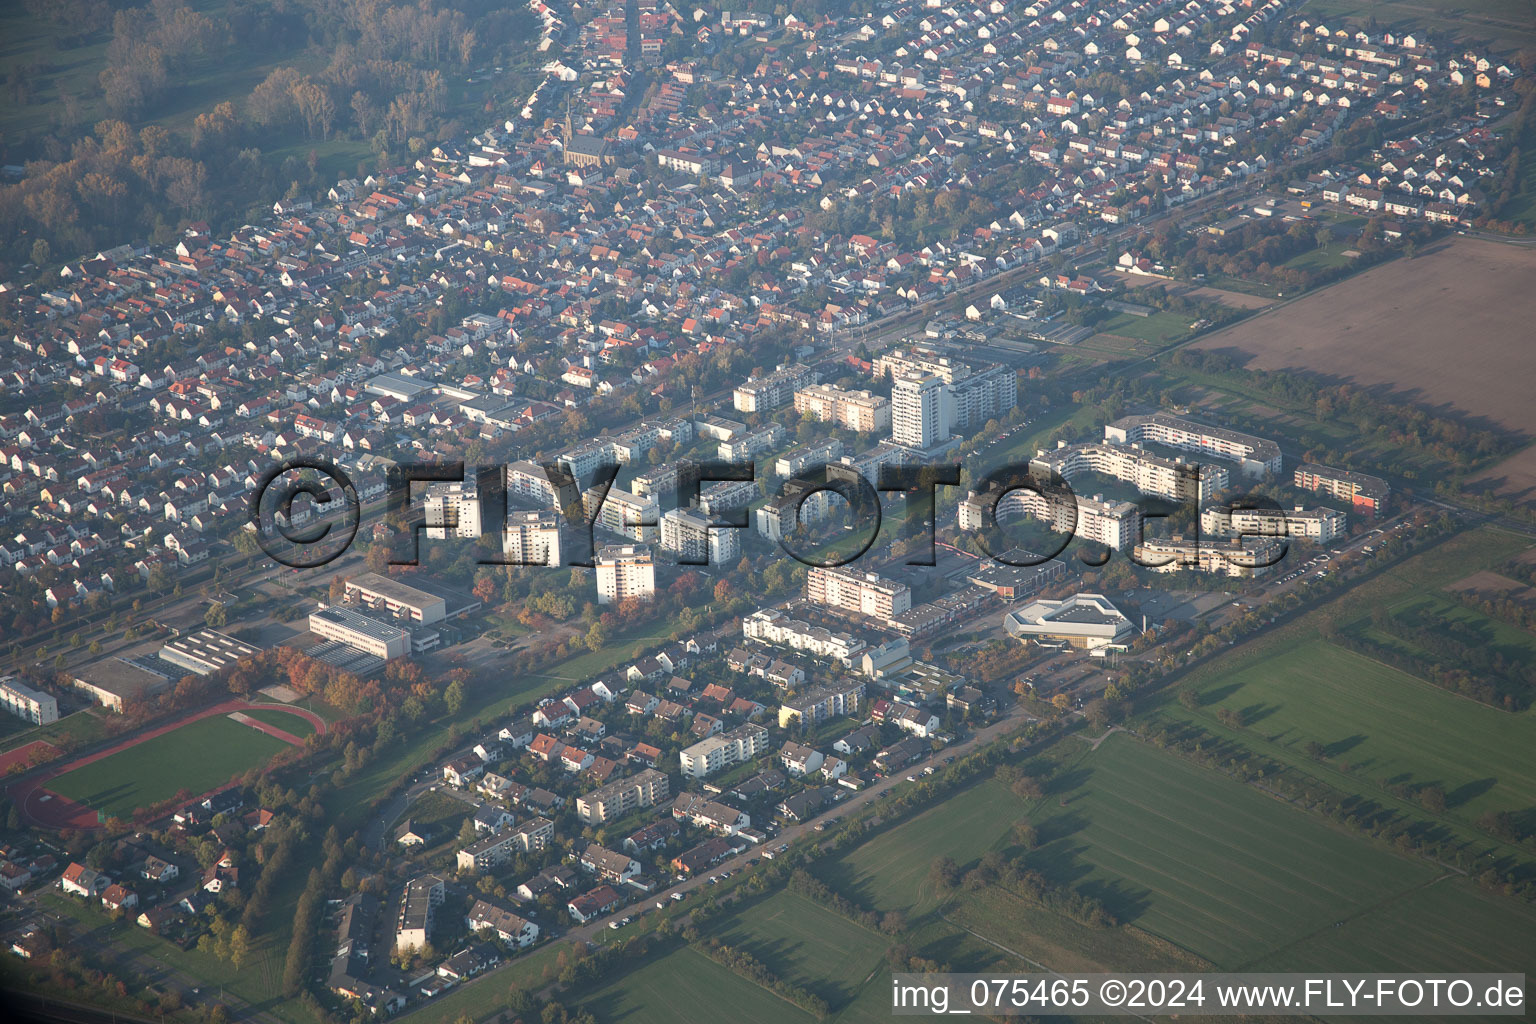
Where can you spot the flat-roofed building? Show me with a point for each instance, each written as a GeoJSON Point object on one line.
{"type": "Point", "coordinates": [1174, 479]}
{"type": "Point", "coordinates": [769, 392]}
{"type": "Point", "coordinates": [532, 538]}
{"type": "Point", "coordinates": [621, 796]}
{"type": "Point", "coordinates": [1114, 524]}
{"type": "Point", "coordinates": [383, 640]}
{"type": "Point", "coordinates": [453, 509]}
{"type": "Point", "coordinates": [115, 683]}
{"type": "Point", "coordinates": [863, 593]}
{"type": "Point", "coordinates": [397, 598]}
{"type": "Point", "coordinates": [206, 651]}
{"type": "Point", "coordinates": [624, 571]}
{"type": "Point", "coordinates": [628, 515]}
{"type": "Point", "coordinates": [699, 539]}
{"type": "Point", "coordinates": [1364, 492]}
{"type": "Point", "coordinates": [820, 703]}
{"type": "Point", "coordinates": [720, 751]}
{"type": "Point", "coordinates": [21, 700]}
{"type": "Point", "coordinates": [807, 457]}
{"type": "Point", "coordinates": [863, 411]}
{"type": "Point", "coordinates": [1320, 525]}
{"type": "Point", "coordinates": [777, 626]}
{"type": "Point", "coordinates": [1239, 556]}
{"type": "Point", "coordinates": [1254, 455]}
{"type": "Point", "coordinates": [1085, 621]}
{"type": "Point", "coordinates": [417, 911]}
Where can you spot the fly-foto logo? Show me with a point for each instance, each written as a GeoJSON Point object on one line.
{"type": "Point", "coordinates": [312, 534]}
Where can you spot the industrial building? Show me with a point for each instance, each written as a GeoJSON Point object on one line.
{"type": "Point", "coordinates": [206, 651]}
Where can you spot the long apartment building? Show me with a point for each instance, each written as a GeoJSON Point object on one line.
{"type": "Point", "coordinates": [1236, 557]}
{"type": "Point", "coordinates": [851, 410]}
{"type": "Point", "coordinates": [1115, 524]}
{"type": "Point", "coordinates": [748, 446]}
{"type": "Point", "coordinates": [1174, 479]}
{"type": "Point", "coordinates": [500, 847]}
{"type": "Point", "coordinates": [776, 626]}
{"type": "Point", "coordinates": [769, 392]}
{"type": "Point", "coordinates": [716, 753]}
{"type": "Point", "coordinates": [1320, 525]}
{"type": "Point", "coordinates": [21, 700]}
{"type": "Point", "coordinates": [1364, 492]}
{"type": "Point", "coordinates": [1255, 456]}
{"type": "Point", "coordinates": [699, 539]}
{"type": "Point", "coordinates": [618, 798]}
{"type": "Point", "coordinates": [863, 593]}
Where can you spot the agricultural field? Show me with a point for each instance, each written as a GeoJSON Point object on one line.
{"type": "Point", "coordinates": [807, 945]}
{"type": "Point", "coordinates": [890, 872]}
{"type": "Point", "coordinates": [1448, 926]}
{"type": "Point", "coordinates": [196, 757]}
{"type": "Point", "coordinates": [686, 987]}
{"type": "Point", "coordinates": [1205, 862]}
{"type": "Point", "coordinates": [1389, 327]}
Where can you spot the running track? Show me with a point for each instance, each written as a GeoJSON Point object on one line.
{"type": "Point", "coordinates": [59, 812]}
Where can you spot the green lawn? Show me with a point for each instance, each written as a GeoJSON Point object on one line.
{"type": "Point", "coordinates": [84, 726]}
{"type": "Point", "coordinates": [295, 725]}
{"type": "Point", "coordinates": [195, 757]}
{"type": "Point", "coordinates": [890, 872]}
{"type": "Point", "coordinates": [807, 945]}
{"type": "Point", "coordinates": [686, 987]}
{"type": "Point", "coordinates": [1157, 328]}
{"type": "Point", "coordinates": [1207, 863]}
{"type": "Point", "coordinates": [1384, 723]}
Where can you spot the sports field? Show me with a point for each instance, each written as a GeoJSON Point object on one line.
{"type": "Point", "coordinates": [687, 987]}
{"type": "Point", "coordinates": [291, 724]}
{"type": "Point", "coordinates": [890, 872]}
{"type": "Point", "coordinates": [805, 944]}
{"type": "Point", "coordinates": [1385, 723]}
{"type": "Point", "coordinates": [196, 757]}
{"type": "Point", "coordinates": [1206, 862]}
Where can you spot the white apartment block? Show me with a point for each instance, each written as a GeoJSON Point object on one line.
{"type": "Point", "coordinates": [921, 410]}
{"type": "Point", "coordinates": [698, 539]}
{"type": "Point", "coordinates": [1254, 455]}
{"type": "Point", "coordinates": [21, 700]}
{"type": "Point", "coordinates": [1320, 525]}
{"type": "Point", "coordinates": [976, 395]}
{"type": "Point", "coordinates": [624, 571]}
{"type": "Point", "coordinates": [623, 513]}
{"type": "Point", "coordinates": [1173, 479]}
{"type": "Point", "coordinates": [864, 593]}
{"type": "Point", "coordinates": [618, 798]}
{"type": "Point", "coordinates": [453, 510]}
{"type": "Point", "coordinates": [852, 410]}
{"type": "Point", "coordinates": [497, 849]}
{"type": "Point", "coordinates": [1115, 524]}
{"type": "Point", "coordinates": [532, 538]}
{"type": "Point", "coordinates": [1231, 558]}
{"type": "Point", "coordinates": [764, 394]}
{"type": "Point", "coordinates": [716, 753]}
{"type": "Point", "coordinates": [811, 456]}
{"type": "Point", "coordinates": [774, 626]}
